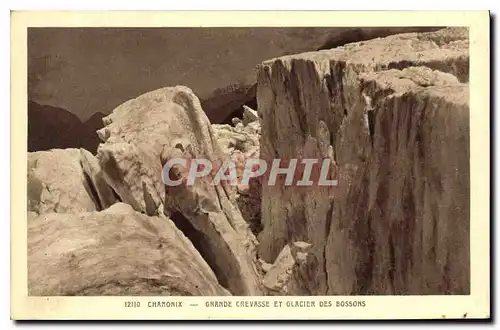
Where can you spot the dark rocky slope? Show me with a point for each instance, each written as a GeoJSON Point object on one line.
{"type": "Point", "coordinates": [224, 104]}
{"type": "Point", "coordinates": [349, 35]}
{"type": "Point", "coordinates": [51, 127]}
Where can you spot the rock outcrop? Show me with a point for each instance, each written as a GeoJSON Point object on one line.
{"type": "Point", "coordinates": [66, 181]}
{"type": "Point", "coordinates": [392, 114]}
{"type": "Point", "coordinates": [114, 252]}
{"type": "Point", "coordinates": [140, 136]}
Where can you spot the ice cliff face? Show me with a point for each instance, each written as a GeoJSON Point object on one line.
{"type": "Point", "coordinates": [393, 116]}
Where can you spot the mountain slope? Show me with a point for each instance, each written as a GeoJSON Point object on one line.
{"type": "Point", "coordinates": [52, 127]}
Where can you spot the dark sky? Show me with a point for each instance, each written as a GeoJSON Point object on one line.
{"type": "Point", "coordinates": [86, 70]}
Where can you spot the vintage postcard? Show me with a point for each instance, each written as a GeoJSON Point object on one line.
{"type": "Point", "coordinates": [250, 165]}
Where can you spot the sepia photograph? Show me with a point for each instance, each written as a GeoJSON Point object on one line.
{"type": "Point", "coordinates": [259, 161]}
